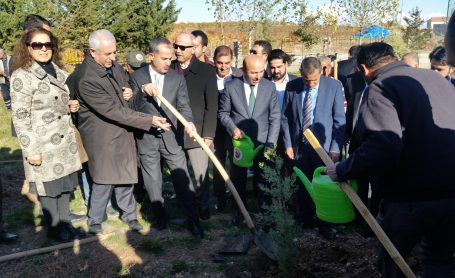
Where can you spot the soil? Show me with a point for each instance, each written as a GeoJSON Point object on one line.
{"type": "Point", "coordinates": [174, 252]}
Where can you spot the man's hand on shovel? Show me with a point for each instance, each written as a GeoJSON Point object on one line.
{"type": "Point", "coordinates": [331, 171]}
{"type": "Point", "coordinates": [151, 90]}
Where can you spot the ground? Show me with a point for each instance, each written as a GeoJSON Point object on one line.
{"type": "Point", "coordinates": [170, 253]}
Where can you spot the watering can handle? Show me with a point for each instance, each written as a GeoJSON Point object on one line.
{"type": "Point", "coordinates": [318, 171]}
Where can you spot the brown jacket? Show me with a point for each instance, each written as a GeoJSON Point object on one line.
{"type": "Point", "coordinates": [43, 124]}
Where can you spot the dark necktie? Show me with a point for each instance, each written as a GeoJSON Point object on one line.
{"type": "Point", "coordinates": [252, 100]}
{"type": "Point", "coordinates": [308, 111]}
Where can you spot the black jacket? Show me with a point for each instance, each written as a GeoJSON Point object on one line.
{"type": "Point", "coordinates": [203, 93]}
{"type": "Point", "coordinates": [405, 135]}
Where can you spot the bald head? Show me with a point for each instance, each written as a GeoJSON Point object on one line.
{"type": "Point", "coordinates": [253, 68]}
{"type": "Point", "coordinates": [184, 47]}
{"type": "Point", "coordinates": [412, 59]}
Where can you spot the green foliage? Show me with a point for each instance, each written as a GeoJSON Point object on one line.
{"type": "Point", "coordinates": [414, 36]}
{"type": "Point", "coordinates": [283, 230]}
{"type": "Point", "coordinates": [363, 13]}
{"type": "Point", "coordinates": [307, 30]}
{"type": "Point", "coordinates": [396, 41]}
{"type": "Point", "coordinates": [133, 22]}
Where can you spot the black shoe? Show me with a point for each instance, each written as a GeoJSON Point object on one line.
{"type": "Point", "coordinates": [159, 212]}
{"type": "Point", "coordinates": [204, 214]}
{"type": "Point", "coordinates": [236, 219]}
{"type": "Point", "coordinates": [64, 232]}
{"type": "Point", "coordinates": [195, 228]}
{"type": "Point", "coordinates": [327, 231]}
{"type": "Point", "coordinates": [220, 205]}
{"type": "Point", "coordinates": [73, 232]}
{"type": "Point", "coordinates": [7, 237]}
{"type": "Point", "coordinates": [95, 229]}
{"type": "Point", "coordinates": [74, 218]}
{"type": "Point", "coordinates": [135, 226]}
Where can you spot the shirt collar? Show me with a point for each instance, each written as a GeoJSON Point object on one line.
{"type": "Point", "coordinates": [227, 76]}
{"type": "Point", "coordinates": [285, 80]}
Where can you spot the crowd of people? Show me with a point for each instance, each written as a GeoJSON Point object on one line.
{"type": "Point", "coordinates": [104, 122]}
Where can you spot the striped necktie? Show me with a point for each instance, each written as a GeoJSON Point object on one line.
{"type": "Point", "coordinates": [308, 111]}
{"type": "Point", "coordinates": [252, 100]}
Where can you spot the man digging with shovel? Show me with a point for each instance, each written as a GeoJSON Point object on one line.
{"type": "Point", "coordinates": [405, 138]}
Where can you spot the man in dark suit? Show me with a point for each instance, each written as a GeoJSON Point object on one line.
{"type": "Point", "coordinates": [405, 137]}
{"type": "Point", "coordinates": [106, 124]}
{"type": "Point", "coordinates": [346, 67]}
{"type": "Point", "coordinates": [316, 102]}
{"type": "Point", "coordinates": [249, 106]}
{"type": "Point", "coordinates": [225, 72]}
{"type": "Point", "coordinates": [146, 82]}
{"type": "Point", "coordinates": [262, 48]}
{"type": "Point", "coordinates": [278, 62]}
{"type": "Point", "coordinates": [201, 82]}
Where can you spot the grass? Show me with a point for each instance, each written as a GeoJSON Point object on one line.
{"type": "Point", "coordinates": [180, 266]}
{"type": "Point", "coordinates": [10, 148]}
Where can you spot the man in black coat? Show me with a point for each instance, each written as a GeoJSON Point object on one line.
{"type": "Point", "coordinates": [106, 123]}
{"type": "Point", "coordinates": [405, 138]}
{"type": "Point", "coordinates": [203, 93]}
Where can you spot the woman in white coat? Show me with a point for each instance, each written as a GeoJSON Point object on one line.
{"type": "Point", "coordinates": [42, 118]}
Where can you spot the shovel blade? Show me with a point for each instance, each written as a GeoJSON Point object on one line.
{"type": "Point", "coordinates": [265, 244]}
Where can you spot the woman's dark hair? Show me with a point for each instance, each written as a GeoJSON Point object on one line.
{"type": "Point", "coordinates": [374, 54]}
{"type": "Point", "coordinates": [22, 57]}
{"type": "Point", "coordinates": [439, 55]}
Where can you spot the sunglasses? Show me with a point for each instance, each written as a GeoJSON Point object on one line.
{"type": "Point", "coordinates": [39, 45]}
{"type": "Point", "coordinates": [181, 47]}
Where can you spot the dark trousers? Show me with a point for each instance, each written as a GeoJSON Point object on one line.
{"type": "Point", "coordinates": [153, 180]}
{"type": "Point", "coordinates": [221, 143]}
{"type": "Point", "coordinates": [239, 179]}
{"type": "Point", "coordinates": [432, 223]}
{"type": "Point", "coordinates": [307, 160]}
{"type": "Point", "coordinates": [55, 209]}
{"type": "Point", "coordinates": [6, 94]}
{"type": "Point", "coordinates": [101, 194]}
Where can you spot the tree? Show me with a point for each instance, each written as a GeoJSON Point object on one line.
{"type": "Point", "coordinates": [139, 21]}
{"type": "Point", "coordinates": [307, 26]}
{"type": "Point", "coordinates": [363, 13]}
{"type": "Point", "coordinates": [414, 36]}
{"type": "Point", "coordinates": [253, 14]}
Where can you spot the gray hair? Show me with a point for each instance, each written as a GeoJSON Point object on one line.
{"type": "Point", "coordinates": [413, 56]}
{"type": "Point", "coordinates": [155, 44]}
{"type": "Point", "coordinates": [98, 36]}
{"type": "Point", "coordinates": [310, 65]}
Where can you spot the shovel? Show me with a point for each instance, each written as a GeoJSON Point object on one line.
{"type": "Point", "coordinates": [378, 231]}
{"type": "Point", "coordinates": [264, 243]}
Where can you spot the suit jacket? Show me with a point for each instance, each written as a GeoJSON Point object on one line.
{"type": "Point", "coordinates": [355, 84]}
{"type": "Point", "coordinates": [329, 118]}
{"type": "Point", "coordinates": [345, 68]}
{"type": "Point", "coordinates": [264, 125]}
{"type": "Point", "coordinates": [175, 91]}
{"type": "Point", "coordinates": [106, 123]}
{"type": "Point", "coordinates": [405, 135]}
{"type": "Point", "coordinates": [203, 93]}
{"type": "Point", "coordinates": [43, 123]}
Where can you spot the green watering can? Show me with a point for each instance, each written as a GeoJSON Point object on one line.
{"type": "Point", "coordinates": [244, 151]}
{"type": "Point", "coordinates": [332, 204]}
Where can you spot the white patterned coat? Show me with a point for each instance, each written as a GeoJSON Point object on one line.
{"type": "Point", "coordinates": [42, 120]}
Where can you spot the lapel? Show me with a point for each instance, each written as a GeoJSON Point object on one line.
{"type": "Point", "coordinates": [300, 94]}
{"type": "Point", "coordinates": [320, 99]}
{"type": "Point", "coordinates": [260, 97]}
{"type": "Point", "coordinates": [39, 72]}
{"type": "Point", "coordinates": [241, 94]}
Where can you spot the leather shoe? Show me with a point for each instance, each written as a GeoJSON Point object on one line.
{"type": "Point", "coordinates": [195, 228]}
{"type": "Point", "coordinates": [7, 237]}
{"type": "Point", "coordinates": [95, 229]}
{"type": "Point", "coordinates": [159, 211]}
{"type": "Point", "coordinates": [204, 214]}
{"type": "Point", "coordinates": [135, 226]}
{"type": "Point", "coordinates": [74, 218]}
{"type": "Point", "coordinates": [64, 232]}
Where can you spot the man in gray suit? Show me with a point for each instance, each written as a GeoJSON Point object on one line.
{"type": "Point", "coordinates": [146, 83]}
{"type": "Point", "coordinates": [249, 105]}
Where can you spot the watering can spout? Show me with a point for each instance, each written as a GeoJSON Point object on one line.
{"type": "Point", "coordinates": [257, 150]}
{"type": "Point", "coordinates": [306, 182]}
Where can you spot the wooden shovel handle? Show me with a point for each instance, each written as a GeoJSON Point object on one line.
{"type": "Point", "coordinates": [213, 158]}
{"type": "Point", "coordinates": [379, 232]}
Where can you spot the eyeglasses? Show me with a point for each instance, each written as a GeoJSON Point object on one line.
{"type": "Point", "coordinates": [181, 47]}
{"type": "Point", "coordinates": [39, 45]}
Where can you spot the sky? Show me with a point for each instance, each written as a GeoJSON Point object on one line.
{"type": "Point", "coordinates": [197, 10]}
